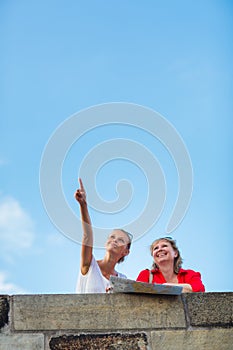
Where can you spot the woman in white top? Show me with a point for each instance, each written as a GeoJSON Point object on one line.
{"type": "Point", "coordinates": [94, 275]}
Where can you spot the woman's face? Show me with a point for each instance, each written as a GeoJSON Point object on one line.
{"type": "Point", "coordinates": [118, 242]}
{"type": "Point", "coordinates": [163, 251]}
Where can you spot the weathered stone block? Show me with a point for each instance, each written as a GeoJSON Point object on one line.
{"type": "Point", "coordinates": [100, 341]}
{"type": "Point", "coordinates": [22, 342]}
{"type": "Point", "coordinates": [210, 309]}
{"type": "Point", "coordinates": [108, 312]}
{"type": "Point", "coordinates": [212, 339]}
{"type": "Point", "coordinates": [4, 309]}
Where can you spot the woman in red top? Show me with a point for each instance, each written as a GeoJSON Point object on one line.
{"type": "Point", "coordinates": [167, 269]}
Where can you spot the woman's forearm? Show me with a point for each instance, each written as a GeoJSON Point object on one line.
{"type": "Point", "coordinates": [187, 288]}
{"type": "Point", "coordinates": [87, 239]}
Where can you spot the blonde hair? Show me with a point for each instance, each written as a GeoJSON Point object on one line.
{"type": "Point", "coordinates": [130, 237]}
{"type": "Point", "coordinates": [177, 260]}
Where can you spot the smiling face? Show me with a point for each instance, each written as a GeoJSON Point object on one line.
{"type": "Point", "coordinates": [117, 243]}
{"type": "Point", "coordinates": [162, 252]}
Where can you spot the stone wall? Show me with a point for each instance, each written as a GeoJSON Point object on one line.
{"type": "Point", "coordinates": [117, 321]}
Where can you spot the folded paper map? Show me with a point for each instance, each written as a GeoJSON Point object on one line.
{"type": "Point", "coordinates": [123, 285]}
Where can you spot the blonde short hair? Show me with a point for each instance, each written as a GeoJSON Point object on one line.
{"type": "Point", "coordinates": [177, 261]}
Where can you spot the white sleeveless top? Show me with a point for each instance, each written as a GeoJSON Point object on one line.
{"type": "Point", "coordinates": [93, 281]}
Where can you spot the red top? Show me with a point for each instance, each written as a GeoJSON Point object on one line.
{"type": "Point", "coordinates": [184, 276]}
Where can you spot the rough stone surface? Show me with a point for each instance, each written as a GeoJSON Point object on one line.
{"type": "Point", "coordinates": [212, 339]}
{"type": "Point", "coordinates": [212, 309]}
{"type": "Point", "coordinates": [102, 312]}
{"type": "Point", "coordinates": [100, 341]}
{"type": "Point", "coordinates": [22, 342]}
{"type": "Point", "coordinates": [117, 322]}
{"type": "Point", "coordinates": [4, 309]}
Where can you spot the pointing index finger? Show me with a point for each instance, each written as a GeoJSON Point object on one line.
{"type": "Point", "coordinates": [81, 184]}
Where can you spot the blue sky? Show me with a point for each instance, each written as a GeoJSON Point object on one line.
{"type": "Point", "coordinates": [59, 58]}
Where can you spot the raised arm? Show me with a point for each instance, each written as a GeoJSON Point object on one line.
{"type": "Point", "coordinates": [87, 239]}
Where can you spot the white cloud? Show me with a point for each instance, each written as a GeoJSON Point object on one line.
{"type": "Point", "coordinates": [8, 287]}
{"type": "Point", "coordinates": [16, 226]}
